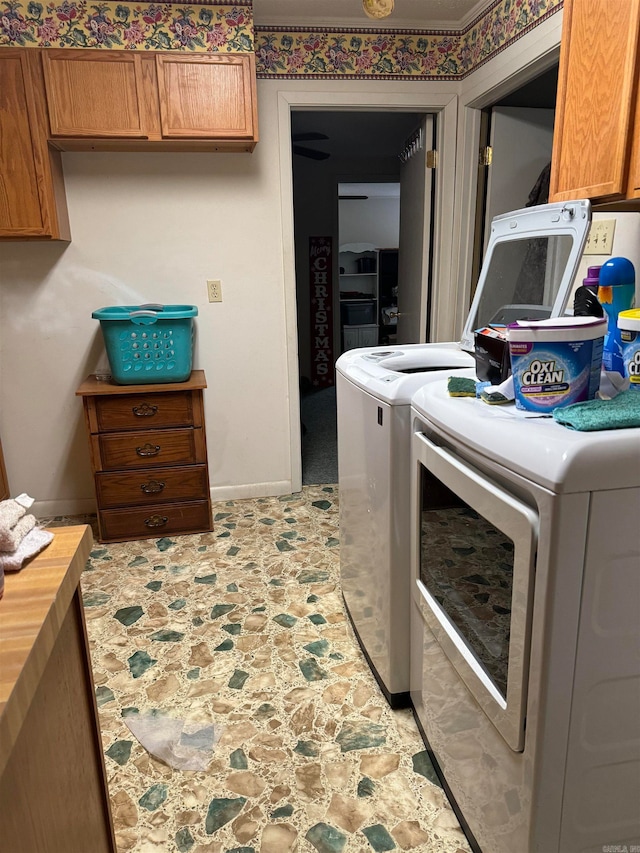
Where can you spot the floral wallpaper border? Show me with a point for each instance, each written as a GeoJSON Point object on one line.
{"type": "Point", "coordinates": [296, 53]}
{"type": "Point", "coordinates": [196, 27]}
{"type": "Point", "coordinates": [205, 26]}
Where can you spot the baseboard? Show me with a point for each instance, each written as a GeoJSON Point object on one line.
{"type": "Point", "coordinates": [87, 506]}
{"type": "Point", "coordinates": [47, 509]}
{"type": "Point", "coordinates": [250, 490]}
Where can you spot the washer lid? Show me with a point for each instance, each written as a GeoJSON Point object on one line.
{"type": "Point", "coordinates": [529, 266]}
{"type": "Point", "coordinates": [393, 374]}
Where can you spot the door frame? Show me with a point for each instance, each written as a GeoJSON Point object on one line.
{"type": "Point", "coordinates": [445, 105]}
{"type": "Point", "coordinates": [511, 69]}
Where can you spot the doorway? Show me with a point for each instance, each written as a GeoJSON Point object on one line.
{"type": "Point", "coordinates": [333, 150]}
{"type": "Point", "coordinates": [293, 104]}
{"type": "Point", "coordinates": [516, 140]}
{"type": "Point", "coordinates": [368, 241]}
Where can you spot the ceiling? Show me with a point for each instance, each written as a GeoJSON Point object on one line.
{"type": "Point", "coordinates": [407, 14]}
{"type": "Point", "coordinates": [361, 135]}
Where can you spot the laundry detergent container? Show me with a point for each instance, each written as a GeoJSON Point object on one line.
{"type": "Point", "coordinates": [148, 343]}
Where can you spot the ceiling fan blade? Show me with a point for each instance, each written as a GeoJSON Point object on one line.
{"type": "Point", "coordinates": [308, 137]}
{"type": "Point", "coordinates": [310, 152]}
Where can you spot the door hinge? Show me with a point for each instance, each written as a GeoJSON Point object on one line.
{"type": "Point", "coordinates": [485, 156]}
{"type": "Point", "coordinates": [432, 159]}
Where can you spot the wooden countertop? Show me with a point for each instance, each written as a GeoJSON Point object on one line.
{"type": "Point", "coordinates": [93, 387]}
{"type": "Point", "coordinates": [35, 602]}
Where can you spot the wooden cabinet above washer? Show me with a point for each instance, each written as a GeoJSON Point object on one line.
{"type": "Point", "coordinates": [596, 140]}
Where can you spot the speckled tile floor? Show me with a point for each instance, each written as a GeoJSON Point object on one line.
{"type": "Point", "coordinates": [244, 628]}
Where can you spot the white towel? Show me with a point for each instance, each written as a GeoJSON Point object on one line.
{"type": "Point", "coordinates": [14, 523]}
{"type": "Point", "coordinates": [11, 539]}
{"type": "Point", "coordinates": [32, 544]}
{"type": "Point", "coordinates": [10, 513]}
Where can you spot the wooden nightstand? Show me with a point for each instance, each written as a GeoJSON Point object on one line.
{"type": "Point", "coordinates": [149, 457]}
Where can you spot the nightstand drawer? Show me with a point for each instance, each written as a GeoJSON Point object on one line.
{"type": "Point", "coordinates": [144, 411]}
{"type": "Point", "coordinates": [151, 449]}
{"type": "Point", "coordinates": [151, 486]}
{"type": "Point", "coordinates": [152, 522]}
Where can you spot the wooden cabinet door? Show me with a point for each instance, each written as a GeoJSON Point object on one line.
{"type": "Point", "coordinates": [207, 97]}
{"type": "Point", "coordinates": [595, 105]}
{"type": "Point", "coordinates": [32, 202]}
{"type": "Point", "coordinates": [633, 184]}
{"type": "Point", "coordinates": [93, 93]}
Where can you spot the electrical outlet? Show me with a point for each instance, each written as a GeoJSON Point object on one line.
{"type": "Point", "coordinates": [600, 239]}
{"type": "Point", "coordinates": [214, 290]}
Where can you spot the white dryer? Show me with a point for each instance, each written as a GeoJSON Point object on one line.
{"type": "Point", "coordinates": [525, 677]}
{"type": "Point", "coordinates": [529, 266]}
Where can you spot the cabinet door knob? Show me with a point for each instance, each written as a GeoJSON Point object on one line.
{"type": "Point", "coordinates": [148, 449]}
{"type": "Point", "coordinates": [144, 410]}
{"type": "Point", "coordinates": [156, 521]}
{"type": "Point", "coordinates": [152, 487]}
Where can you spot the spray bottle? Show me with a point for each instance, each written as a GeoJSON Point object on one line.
{"type": "Point", "coordinates": [616, 293]}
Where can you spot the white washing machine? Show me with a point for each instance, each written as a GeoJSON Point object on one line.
{"type": "Point", "coordinates": [528, 271]}
{"type": "Point", "coordinates": [525, 676]}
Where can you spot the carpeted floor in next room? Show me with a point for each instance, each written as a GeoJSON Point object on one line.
{"type": "Point", "coordinates": [318, 415]}
{"type": "Point", "coordinates": [245, 628]}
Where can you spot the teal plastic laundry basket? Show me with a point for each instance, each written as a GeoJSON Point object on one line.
{"type": "Point", "coordinates": [148, 343]}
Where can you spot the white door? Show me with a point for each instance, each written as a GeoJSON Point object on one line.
{"type": "Point", "coordinates": [414, 243]}
{"type": "Point", "coordinates": [521, 141]}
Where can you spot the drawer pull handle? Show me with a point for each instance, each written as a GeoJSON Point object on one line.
{"type": "Point", "coordinates": [152, 487]}
{"type": "Point", "coordinates": [148, 449]}
{"type": "Point", "coordinates": [156, 521]}
{"type": "Point", "coordinates": [144, 410]}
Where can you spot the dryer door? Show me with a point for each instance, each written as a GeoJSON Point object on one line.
{"type": "Point", "coordinates": [477, 547]}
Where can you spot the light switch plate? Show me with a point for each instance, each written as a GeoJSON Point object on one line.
{"type": "Point", "coordinates": [600, 239]}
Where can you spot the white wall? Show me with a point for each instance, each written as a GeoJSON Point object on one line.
{"type": "Point", "coordinates": [151, 227]}
{"type": "Point", "coordinates": [154, 227]}
{"type": "Point", "coordinates": [373, 220]}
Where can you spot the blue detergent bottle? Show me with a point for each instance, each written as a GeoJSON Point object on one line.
{"type": "Point", "coordinates": [616, 293]}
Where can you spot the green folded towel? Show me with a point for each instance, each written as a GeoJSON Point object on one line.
{"type": "Point", "coordinates": [621, 412]}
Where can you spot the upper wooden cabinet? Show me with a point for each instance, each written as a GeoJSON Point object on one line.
{"type": "Point", "coordinates": [633, 184]}
{"type": "Point", "coordinates": [117, 100]}
{"type": "Point", "coordinates": [204, 96]}
{"type": "Point", "coordinates": [32, 200]}
{"type": "Point", "coordinates": [94, 93]}
{"type": "Point", "coordinates": [596, 147]}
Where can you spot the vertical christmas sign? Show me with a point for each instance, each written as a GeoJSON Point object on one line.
{"type": "Point", "coordinates": [321, 286]}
